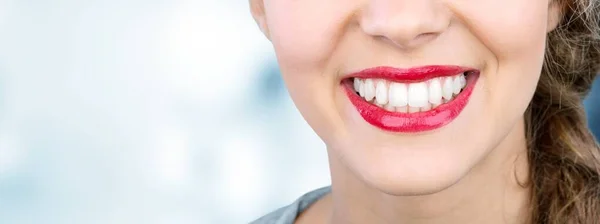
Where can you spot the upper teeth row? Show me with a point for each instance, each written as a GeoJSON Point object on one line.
{"type": "Point", "coordinates": [427, 94]}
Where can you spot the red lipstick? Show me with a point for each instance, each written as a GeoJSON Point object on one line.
{"type": "Point", "coordinates": [417, 74]}
{"type": "Point", "coordinates": [411, 122]}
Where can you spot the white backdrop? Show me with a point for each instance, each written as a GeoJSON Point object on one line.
{"type": "Point", "coordinates": [145, 111]}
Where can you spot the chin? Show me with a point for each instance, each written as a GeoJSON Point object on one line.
{"type": "Point", "coordinates": [407, 171]}
{"type": "Point", "coordinates": [391, 180]}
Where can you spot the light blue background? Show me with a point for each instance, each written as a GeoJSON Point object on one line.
{"type": "Point", "coordinates": [145, 111]}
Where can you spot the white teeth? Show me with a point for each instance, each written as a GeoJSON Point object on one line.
{"type": "Point", "coordinates": [412, 97]}
{"type": "Point", "coordinates": [447, 89]}
{"type": "Point", "coordinates": [357, 84]}
{"type": "Point", "coordinates": [389, 107]}
{"type": "Point", "coordinates": [398, 94]}
{"type": "Point", "coordinates": [361, 88]}
{"type": "Point", "coordinates": [381, 92]}
{"type": "Point", "coordinates": [435, 91]}
{"type": "Point", "coordinates": [456, 84]}
{"type": "Point", "coordinates": [403, 109]}
{"type": "Point", "coordinates": [413, 110]}
{"type": "Point", "coordinates": [463, 81]}
{"type": "Point", "coordinates": [417, 94]}
{"type": "Point", "coordinates": [369, 90]}
{"type": "Point", "coordinates": [426, 108]}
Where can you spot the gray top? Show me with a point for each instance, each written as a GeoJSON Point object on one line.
{"type": "Point", "coordinates": [288, 214]}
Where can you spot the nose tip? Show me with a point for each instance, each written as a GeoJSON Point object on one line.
{"type": "Point", "coordinates": [404, 23]}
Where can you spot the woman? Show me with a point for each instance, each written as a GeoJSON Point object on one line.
{"type": "Point", "coordinates": [443, 111]}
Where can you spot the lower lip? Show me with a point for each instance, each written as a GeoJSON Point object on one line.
{"type": "Point", "coordinates": [412, 122]}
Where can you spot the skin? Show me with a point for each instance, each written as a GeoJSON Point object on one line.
{"type": "Point", "coordinates": [465, 172]}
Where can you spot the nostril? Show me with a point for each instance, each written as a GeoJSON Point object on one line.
{"type": "Point", "coordinates": [409, 43]}
{"type": "Point", "coordinates": [425, 37]}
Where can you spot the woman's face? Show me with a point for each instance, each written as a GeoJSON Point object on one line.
{"type": "Point", "coordinates": [381, 81]}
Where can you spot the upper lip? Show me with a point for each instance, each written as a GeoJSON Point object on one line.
{"type": "Point", "coordinates": [415, 74]}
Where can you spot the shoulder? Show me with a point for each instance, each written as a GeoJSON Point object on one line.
{"type": "Point", "coordinates": [288, 214]}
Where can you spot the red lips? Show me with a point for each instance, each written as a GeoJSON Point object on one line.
{"type": "Point", "coordinates": [411, 122]}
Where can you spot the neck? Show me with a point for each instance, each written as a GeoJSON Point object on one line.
{"type": "Point", "coordinates": [492, 192]}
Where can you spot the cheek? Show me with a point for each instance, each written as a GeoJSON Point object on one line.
{"type": "Point", "coordinates": [304, 32]}
{"type": "Point", "coordinates": [509, 28]}
{"type": "Point", "coordinates": [514, 31]}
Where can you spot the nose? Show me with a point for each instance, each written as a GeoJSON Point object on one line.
{"type": "Point", "coordinates": [405, 23]}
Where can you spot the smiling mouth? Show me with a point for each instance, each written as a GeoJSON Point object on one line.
{"type": "Point", "coordinates": [411, 100]}
{"type": "Point", "coordinates": [410, 97]}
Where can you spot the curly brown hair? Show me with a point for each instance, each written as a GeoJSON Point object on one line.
{"type": "Point", "coordinates": [564, 157]}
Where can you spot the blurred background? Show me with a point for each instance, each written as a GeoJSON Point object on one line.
{"type": "Point", "coordinates": [148, 111]}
